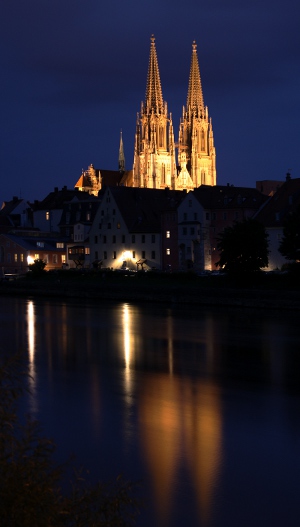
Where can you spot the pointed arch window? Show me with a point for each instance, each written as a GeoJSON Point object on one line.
{"type": "Point", "coordinates": [161, 141]}
{"type": "Point", "coordinates": [202, 141]}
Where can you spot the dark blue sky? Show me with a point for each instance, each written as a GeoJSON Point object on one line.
{"type": "Point", "coordinates": [73, 73]}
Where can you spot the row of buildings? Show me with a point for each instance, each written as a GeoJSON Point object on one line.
{"type": "Point", "coordinates": [139, 228]}
{"type": "Point", "coordinates": [165, 213]}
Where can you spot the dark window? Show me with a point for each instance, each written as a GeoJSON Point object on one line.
{"type": "Point", "coordinates": [184, 216]}
{"type": "Point", "coordinates": [109, 225]}
{"type": "Point", "coordinates": [96, 255]}
{"type": "Point", "coordinates": [214, 216]}
{"type": "Point", "coordinates": [100, 225]}
{"type": "Point", "coordinates": [153, 255]}
{"type": "Point", "coordinates": [143, 238]}
{"type": "Point", "coordinates": [115, 255]}
{"type": "Point", "coordinates": [104, 239]}
{"type": "Point", "coordinates": [184, 230]}
{"type": "Point", "coordinates": [143, 254]}
{"type": "Point", "coordinates": [133, 254]}
{"type": "Point", "coordinates": [123, 238]}
{"type": "Point", "coordinates": [153, 238]}
{"type": "Point", "coordinates": [133, 238]}
{"type": "Point", "coordinates": [225, 215]}
{"type": "Point", "coordinates": [207, 215]}
{"type": "Point", "coordinates": [114, 239]}
{"type": "Point", "coordinates": [105, 255]}
{"type": "Point", "coordinates": [114, 212]}
{"type": "Point", "coordinates": [102, 212]}
{"type": "Point", "coordinates": [96, 239]}
{"type": "Point", "coordinates": [192, 230]}
{"type": "Point", "coordinates": [195, 216]}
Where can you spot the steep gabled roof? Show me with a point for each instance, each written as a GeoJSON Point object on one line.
{"type": "Point", "coordinates": [57, 198]}
{"type": "Point", "coordinates": [229, 197]}
{"type": "Point", "coordinates": [284, 201]}
{"type": "Point", "coordinates": [141, 208]}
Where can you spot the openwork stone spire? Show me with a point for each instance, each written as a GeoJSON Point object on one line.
{"type": "Point", "coordinates": [195, 102]}
{"type": "Point", "coordinates": [154, 97]}
{"type": "Point", "coordinates": [121, 155]}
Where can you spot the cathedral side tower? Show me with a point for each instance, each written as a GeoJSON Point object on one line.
{"type": "Point", "coordinates": [154, 164]}
{"type": "Point", "coordinates": [196, 150]}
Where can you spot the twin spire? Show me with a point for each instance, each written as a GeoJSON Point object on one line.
{"type": "Point", "coordinates": [154, 98]}
{"type": "Point", "coordinates": [155, 164]}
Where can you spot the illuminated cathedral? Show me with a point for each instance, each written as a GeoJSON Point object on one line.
{"type": "Point", "coordinates": [159, 162]}
{"type": "Point", "coordinates": [155, 164]}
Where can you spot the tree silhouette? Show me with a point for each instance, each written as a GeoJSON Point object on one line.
{"type": "Point", "coordinates": [31, 483]}
{"type": "Point", "coordinates": [243, 247]}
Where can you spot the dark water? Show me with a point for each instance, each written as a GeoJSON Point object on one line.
{"type": "Point", "coordinates": [201, 406]}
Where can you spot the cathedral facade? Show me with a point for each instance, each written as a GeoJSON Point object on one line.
{"type": "Point", "coordinates": [155, 164]}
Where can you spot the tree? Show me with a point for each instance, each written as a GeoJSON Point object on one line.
{"type": "Point", "coordinates": [38, 266]}
{"type": "Point", "coordinates": [243, 247]}
{"type": "Point", "coordinates": [290, 243]}
{"type": "Point", "coordinates": [31, 483]}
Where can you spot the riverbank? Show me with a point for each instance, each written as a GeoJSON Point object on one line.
{"type": "Point", "coordinates": [263, 292]}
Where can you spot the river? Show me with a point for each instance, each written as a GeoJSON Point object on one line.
{"type": "Point", "coordinates": [201, 406]}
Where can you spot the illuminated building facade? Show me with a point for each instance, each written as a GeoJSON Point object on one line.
{"type": "Point", "coordinates": [126, 232]}
{"type": "Point", "coordinates": [154, 163]}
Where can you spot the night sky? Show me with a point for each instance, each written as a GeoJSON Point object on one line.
{"type": "Point", "coordinates": [73, 74]}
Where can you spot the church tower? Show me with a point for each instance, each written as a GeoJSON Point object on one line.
{"type": "Point", "coordinates": [154, 164]}
{"type": "Point", "coordinates": [196, 150]}
{"type": "Point", "coordinates": [121, 155]}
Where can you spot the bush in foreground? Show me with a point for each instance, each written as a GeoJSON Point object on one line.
{"type": "Point", "coordinates": [31, 492]}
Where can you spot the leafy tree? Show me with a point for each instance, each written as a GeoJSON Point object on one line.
{"type": "Point", "coordinates": [31, 483]}
{"type": "Point", "coordinates": [243, 247]}
{"type": "Point", "coordinates": [38, 266]}
{"type": "Point", "coordinates": [290, 243]}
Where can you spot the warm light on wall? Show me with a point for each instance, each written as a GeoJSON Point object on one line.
{"type": "Point", "coordinates": [125, 255]}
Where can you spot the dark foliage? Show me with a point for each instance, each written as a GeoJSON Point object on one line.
{"type": "Point", "coordinates": [38, 266]}
{"type": "Point", "coordinates": [30, 481]}
{"type": "Point", "coordinates": [290, 243]}
{"type": "Point", "coordinates": [243, 247]}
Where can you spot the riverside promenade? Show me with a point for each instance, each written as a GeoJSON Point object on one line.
{"type": "Point", "coordinates": [260, 291]}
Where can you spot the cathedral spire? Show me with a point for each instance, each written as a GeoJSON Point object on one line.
{"type": "Point", "coordinates": [121, 155]}
{"type": "Point", "coordinates": [195, 102]}
{"type": "Point", "coordinates": [154, 97]}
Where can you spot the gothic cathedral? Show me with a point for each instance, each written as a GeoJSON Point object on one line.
{"type": "Point", "coordinates": [154, 164]}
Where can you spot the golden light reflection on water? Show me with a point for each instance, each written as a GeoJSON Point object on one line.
{"type": "Point", "coordinates": [30, 320]}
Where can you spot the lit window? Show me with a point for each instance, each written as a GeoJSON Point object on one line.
{"type": "Point", "coordinates": [118, 225]}
{"type": "Point", "coordinates": [22, 257]}
{"type": "Point", "coordinates": [88, 216]}
{"type": "Point", "coordinates": [36, 257]}
{"type": "Point", "coordinates": [46, 258]}
{"type": "Point", "coordinates": [59, 245]}
{"type": "Point", "coordinates": [168, 234]}
{"type": "Point", "coordinates": [40, 244]}
{"type": "Point", "coordinates": [54, 258]}
{"type": "Point", "coordinates": [87, 250]}
{"type": "Point", "coordinates": [168, 251]}
{"type": "Point", "coordinates": [16, 257]}
{"type": "Point", "coordinates": [47, 215]}
{"type": "Point", "coordinates": [63, 258]}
